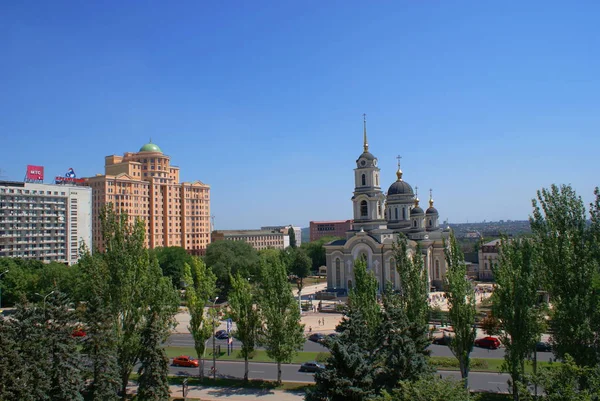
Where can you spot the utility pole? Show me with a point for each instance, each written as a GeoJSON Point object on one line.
{"type": "Point", "coordinates": [214, 368]}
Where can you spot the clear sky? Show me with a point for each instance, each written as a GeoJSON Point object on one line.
{"type": "Point", "coordinates": [263, 100]}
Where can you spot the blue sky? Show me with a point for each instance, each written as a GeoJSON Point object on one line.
{"type": "Point", "coordinates": [263, 100]}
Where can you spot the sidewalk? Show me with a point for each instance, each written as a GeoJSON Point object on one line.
{"type": "Point", "coordinates": [206, 393]}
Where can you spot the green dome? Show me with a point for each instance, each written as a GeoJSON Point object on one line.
{"type": "Point", "coordinates": [150, 147]}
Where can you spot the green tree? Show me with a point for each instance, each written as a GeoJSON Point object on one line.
{"type": "Point", "coordinates": [282, 331]}
{"type": "Point", "coordinates": [300, 267]}
{"type": "Point", "coordinates": [154, 368]}
{"type": "Point", "coordinates": [100, 346]}
{"type": "Point", "coordinates": [172, 260]}
{"type": "Point", "coordinates": [316, 251]}
{"type": "Point", "coordinates": [136, 283]}
{"type": "Point", "coordinates": [292, 235]}
{"type": "Point", "coordinates": [461, 307]}
{"type": "Point", "coordinates": [228, 258]}
{"type": "Point", "coordinates": [244, 312]}
{"type": "Point", "coordinates": [427, 389]}
{"type": "Point", "coordinates": [200, 288]}
{"type": "Point", "coordinates": [515, 305]}
{"type": "Point", "coordinates": [569, 257]}
{"type": "Point", "coordinates": [563, 382]}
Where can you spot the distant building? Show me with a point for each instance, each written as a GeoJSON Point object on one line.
{"type": "Point", "coordinates": [44, 222]}
{"type": "Point", "coordinates": [259, 239]}
{"type": "Point", "coordinates": [488, 257]}
{"type": "Point", "coordinates": [334, 228]}
{"type": "Point", "coordinates": [145, 185]}
{"type": "Point", "coordinates": [285, 229]}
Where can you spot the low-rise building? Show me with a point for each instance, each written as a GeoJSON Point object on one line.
{"type": "Point", "coordinates": [333, 228]}
{"type": "Point", "coordinates": [285, 230]}
{"type": "Point", "coordinates": [44, 222]}
{"type": "Point", "coordinates": [488, 257]}
{"type": "Point", "coordinates": [259, 239]}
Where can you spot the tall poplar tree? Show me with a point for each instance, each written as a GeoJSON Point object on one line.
{"type": "Point", "coordinates": [154, 368]}
{"type": "Point", "coordinates": [569, 250]}
{"type": "Point", "coordinates": [515, 304]}
{"type": "Point", "coordinates": [461, 307]}
{"type": "Point", "coordinates": [200, 287]}
{"type": "Point", "coordinates": [246, 315]}
{"type": "Point", "coordinates": [283, 335]}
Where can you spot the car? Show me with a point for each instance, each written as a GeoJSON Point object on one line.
{"type": "Point", "coordinates": [222, 335]}
{"type": "Point", "coordinates": [488, 342]}
{"type": "Point", "coordinates": [443, 340]}
{"type": "Point", "coordinates": [185, 361]}
{"type": "Point", "coordinates": [332, 335]}
{"type": "Point", "coordinates": [311, 367]}
{"type": "Point", "coordinates": [543, 346]}
{"type": "Point", "coordinates": [317, 337]}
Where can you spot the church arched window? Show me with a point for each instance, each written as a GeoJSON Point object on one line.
{"type": "Point", "coordinates": [396, 214]}
{"type": "Point", "coordinates": [414, 223]}
{"type": "Point", "coordinates": [377, 179]}
{"type": "Point", "coordinates": [429, 222]}
{"type": "Point", "coordinates": [364, 209]}
{"type": "Point", "coordinates": [403, 213]}
{"type": "Point", "coordinates": [437, 269]}
{"type": "Point", "coordinates": [364, 180]}
{"type": "Point", "coordinates": [338, 274]}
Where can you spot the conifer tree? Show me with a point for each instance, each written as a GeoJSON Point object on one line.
{"type": "Point", "coordinates": [154, 369]}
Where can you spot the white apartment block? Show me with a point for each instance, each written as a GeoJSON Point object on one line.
{"type": "Point", "coordinates": [45, 222]}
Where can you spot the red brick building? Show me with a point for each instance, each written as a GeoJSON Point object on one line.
{"type": "Point", "coordinates": [335, 228]}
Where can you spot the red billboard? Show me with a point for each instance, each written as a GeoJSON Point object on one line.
{"type": "Point", "coordinates": [34, 173]}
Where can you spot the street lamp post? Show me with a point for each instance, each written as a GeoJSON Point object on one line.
{"type": "Point", "coordinates": [2, 274]}
{"type": "Point", "coordinates": [51, 292]}
{"type": "Point", "coordinates": [214, 368]}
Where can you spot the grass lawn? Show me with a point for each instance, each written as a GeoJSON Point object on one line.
{"type": "Point", "coordinates": [440, 362]}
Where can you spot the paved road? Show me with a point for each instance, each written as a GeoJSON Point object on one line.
{"type": "Point", "coordinates": [186, 340]}
{"type": "Point", "coordinates": [495, 382]}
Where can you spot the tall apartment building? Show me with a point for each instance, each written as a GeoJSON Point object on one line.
{"type": "Point", "coordinates": [259, 239]}
{"type": "Point", "coordinates": [284, 230]}
{"type": "Point", "coordinates": [145, 185]}
{"type": "Point", "coordinates": [44, 222]}
{"type": "Point", "coordinates": [334, 228]}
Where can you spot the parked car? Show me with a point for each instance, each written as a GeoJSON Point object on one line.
{"type": "Point", "coordinates": [543, 346]}
{"type": "Point", "coordinates": [488, 342]}
{"type": "Point", "coordinates": [317, 337]}
{"type": "Point", "coordinates": [443, 340]}
{"type": "Point", "coordinates": [78, 333]}
{"type": "Point", "coordinates": [222, 335]}
{"type": "Point", "coordinates": [332, 335]}
{"type": "Point", "coordinates": [311, 367]}
{"type": "Point", "coordinates": [185, 361]}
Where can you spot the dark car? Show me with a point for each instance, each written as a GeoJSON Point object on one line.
{"type": "Point", "coordinates": [222, 335]}
{"type": "Point", "coordinates": [317, 337]}
{"type": "Point", "coordinates": [543, 346]}
{"type": "Point", "coordinates": [488, 342]}
{"type": "Point", "coordinates": [443, 340]}
{"type": "Point", "coordinates": [332, 335]}
{"type": "Point", "coordinates": [311, 367]}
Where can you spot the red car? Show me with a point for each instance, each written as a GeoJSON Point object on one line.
{"type": "Point", "coordinates": [185, 361]}
{"type": "Point", "coordinates": [488, 342]}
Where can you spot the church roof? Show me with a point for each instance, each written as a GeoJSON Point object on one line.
{"type": "Point", "coordinates": [337, 242]}
{"type": "Point", "coordinates": [400, 188]}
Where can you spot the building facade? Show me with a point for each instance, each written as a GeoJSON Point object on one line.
{"type": "Point", "coordinates": [488, 257]}
{"type": "Point", "coordinates": [145, 185]}
{"type": "Point", "coordinates": [259, 239]}
{"type": "Point", "coordinates": [378, 221]}
{"type": "Point", "coordinates": [334, 228]}
{"type": "Point", "coordinates": [284, 230]}
{"type": "Point", "coordinates": [44, 222]}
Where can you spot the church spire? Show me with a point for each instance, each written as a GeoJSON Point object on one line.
{"type": "Point", "coordinates": [365, 143]}
{"type": "Point", "coordinates": [430, 198]}
{"type": "Point", "coordinates": [399, 172]}
{"type": "Point", "coordinates": [416, 196]}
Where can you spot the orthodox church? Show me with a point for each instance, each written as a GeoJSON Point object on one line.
{"type": "Point", "coordinates": [378, 219]}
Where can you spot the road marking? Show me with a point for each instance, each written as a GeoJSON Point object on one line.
{"type": "Point", "coordinates": [497, 382]}
{"type": "Point", "coordinates": [257, 371]}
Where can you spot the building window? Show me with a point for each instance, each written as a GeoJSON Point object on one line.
{"type": "Point", "coordinates": [376, 179]}
{"type": "Point", "coordinates": [396, 213]}
{"type": "Point", "coordinates": [403, 213]}
{"type": "Point", "coordinates": [338, 274]}
{"type": "Point", "coordinates": [429, 222]}
{"type": "Point", "coordinates": [414, 223]}
{"type": "Point", "coordinates": [437, 269]}
{"type": "Point", "coordinates": [364, 180]}
{"type": "Point", "coordinates": [364, 210]}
